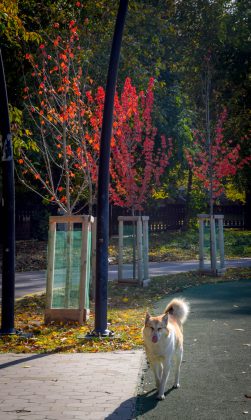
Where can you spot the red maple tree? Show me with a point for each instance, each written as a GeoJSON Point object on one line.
{"type": "Point", "coordinates": [63, 161]}
{"type": "Point", "coordinates": [212, 164]}
{"type": "Point", "coordinates": [138, 157]}
{"type": "Point", "coordinates": [65, 120]}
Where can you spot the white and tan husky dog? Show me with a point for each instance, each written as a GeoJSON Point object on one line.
{"type": "Point", "coordinates": [163, 339]}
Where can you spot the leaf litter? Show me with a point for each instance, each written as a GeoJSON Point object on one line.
{"type": "Point", "coordinates": [126, 313]}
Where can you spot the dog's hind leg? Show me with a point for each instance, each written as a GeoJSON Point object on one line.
{"type": "Point", "coordinates": [178, 361]}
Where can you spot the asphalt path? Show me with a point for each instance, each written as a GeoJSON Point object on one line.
{"type": "Point", "coordinates": [216, 371]}
{"type": "Point", "coordinates": [35, 281]}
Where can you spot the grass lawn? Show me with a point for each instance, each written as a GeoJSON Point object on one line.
{"type": "Point", "coordinates": [165, 246]}
{"type": "Point", "coordinates": [181, 246]}
{"type": "Point", "coordinates": [237, 243]}
{"type": "Point", "coordinates": [126, 313]}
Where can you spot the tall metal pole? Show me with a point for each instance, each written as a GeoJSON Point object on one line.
{"type": "Point", "coordinates": [209, 143]}
{"type": "Point", "coordinates": [209, 140]}
{"type": "Point", "coordinates": [8, 212]}
{"type": "Point", "coordinates": [103, 179]}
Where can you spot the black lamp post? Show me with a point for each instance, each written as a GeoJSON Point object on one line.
{"type": "Point", "coordinates": [103, 180]}
{"type": "Point", "coordinates": [8, 212]}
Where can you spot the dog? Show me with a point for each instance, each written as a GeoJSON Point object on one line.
{"type": "Point", "coordinates": [163, 339]}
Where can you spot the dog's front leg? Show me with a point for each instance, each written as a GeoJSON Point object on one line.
{"type": "Point", "coordinates": [157, 368]}
{"type": "Point", "coordinates": [163, 381]}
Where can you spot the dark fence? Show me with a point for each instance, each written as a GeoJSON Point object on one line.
{"type": "Point", "coordinates": [32, 222]}
{"type": "Point", "coordinates": [24, 219]}
{"type": "Point", "coordinates": [172, 217]}
{"type": "Point", "coordinates": [234, 216]}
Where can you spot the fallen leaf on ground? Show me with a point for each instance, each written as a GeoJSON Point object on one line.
{"type": "Point", "coordinates": [126, 317]}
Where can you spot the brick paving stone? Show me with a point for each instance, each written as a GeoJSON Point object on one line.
{"type": "Point", "coordinates": [77, 386]}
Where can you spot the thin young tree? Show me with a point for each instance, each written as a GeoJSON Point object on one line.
{"type": "Point", "coordinates": [213, 164]}
{"type": "Point", "coordinates": [63, 160]}
{"type": "Point", "coordinates": [139, 155]}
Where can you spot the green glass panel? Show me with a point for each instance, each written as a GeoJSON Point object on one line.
{"type": "Point", "coordinates": [87, 283]}
{"type": "Point", "coordinates": [206, 250]}
{"type": "Point", "coordinates": [67, 266]}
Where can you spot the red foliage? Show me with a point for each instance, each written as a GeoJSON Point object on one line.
{"type": "Point", "coordinates": [221, 158]}
{"type": "Point", "coordinates": [137, 160]}
{"type": "Point", "coordinates": [59, 111]}
{"type": "Point", "coordinates": [68, 121]}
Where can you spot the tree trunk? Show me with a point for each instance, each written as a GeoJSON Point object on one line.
{"type": "Point", "coordinates": [133, 247]}
{"type": "Point", "coordinates": [188, 209]}
{"type": "Point", "coordinates": [68, 278]}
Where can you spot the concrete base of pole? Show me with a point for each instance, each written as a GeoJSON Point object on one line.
{"type": "Point", "coordinates": [11, 331]}
{"type": "Point", "coordinates": [20, 333]}
{"type": "Point", "coordinates": [95, 334]}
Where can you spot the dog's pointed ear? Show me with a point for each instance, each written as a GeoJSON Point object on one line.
{"type": "Point", "coordinates": [148, 316]}
{"type": "Point", "coordinates": [165, 318]}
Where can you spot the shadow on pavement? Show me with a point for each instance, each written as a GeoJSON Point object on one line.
{"type": "Point", "coordinates": [124, 411]}
{"type": "Point", "coordinates": [22, 360]}
{"type": "Point", "coordinates": [134, 406]}
{"type": "Point", "coordinates": [148, 401]}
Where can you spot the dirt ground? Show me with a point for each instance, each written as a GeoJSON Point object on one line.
{"type": "Point", "coordinates": [30, 255]}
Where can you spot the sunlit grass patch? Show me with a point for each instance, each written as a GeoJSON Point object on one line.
{"type": "Point", "coordinates": [163, 246]}
{"type": "Point", "coordinates": [237, 243]}
{"type": "Point", "coordinates": [183, 246]}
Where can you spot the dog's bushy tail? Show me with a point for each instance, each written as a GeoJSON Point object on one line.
{"type": "Point", "coordinates": [179, 309]}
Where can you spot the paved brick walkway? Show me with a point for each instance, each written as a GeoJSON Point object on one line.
{"type": "Point", "coordinates": [69, 386]}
